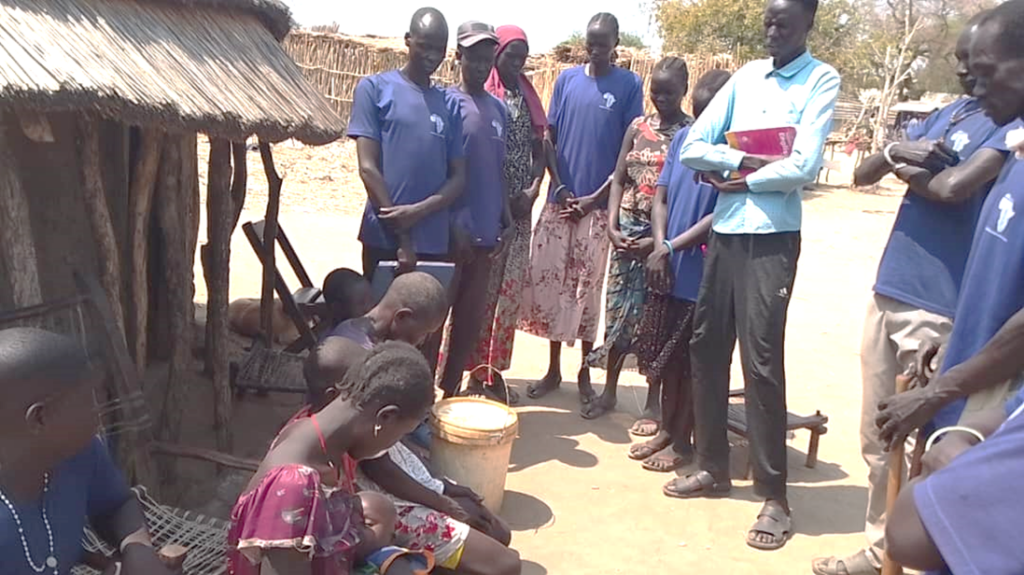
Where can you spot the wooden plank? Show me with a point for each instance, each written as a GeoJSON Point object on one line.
{"type": "Point", "coordinates": [219, 216]}
{"type": "Point", "coordinates": [140, 206]}
{"type": "Point", "coordinates": [17, 246]}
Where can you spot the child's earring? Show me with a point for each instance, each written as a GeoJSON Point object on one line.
{"type": "Point", "coordinates": [376, 429]}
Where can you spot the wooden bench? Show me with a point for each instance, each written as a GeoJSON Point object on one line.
{"type": "Point", "coordinates": [816, 424]}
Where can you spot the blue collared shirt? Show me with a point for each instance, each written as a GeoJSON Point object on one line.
{"type": "Point", "coordinates": [801, 94]}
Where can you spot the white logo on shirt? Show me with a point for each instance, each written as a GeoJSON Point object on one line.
{"type": "Point", "coordinates": [959, 140]}
{"type": "Point", "coordinates": [609, 100]}
{"type": "Point", "coordinates": [438, 124]}
{"type": "Point", "coordinates": [497, 127]}
{"type": "Point", "coordinates": [1006, 213]}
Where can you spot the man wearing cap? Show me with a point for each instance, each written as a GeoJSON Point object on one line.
{"type": "Point", "coordinates": [410, 153]}
{"type": "Point", "coordinates": [482, 213]}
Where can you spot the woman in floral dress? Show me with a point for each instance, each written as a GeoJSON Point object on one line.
{"type": "Point", "coordinates": [524, 169]}
{"type": "Point", "coordinates": [629, 228]}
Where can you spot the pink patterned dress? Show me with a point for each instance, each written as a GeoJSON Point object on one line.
{"type": "Point", "coordinates": [292, 508]}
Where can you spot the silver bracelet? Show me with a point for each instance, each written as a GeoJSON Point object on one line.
{"type": "Point", "coordinates": [939, 433]}
{"type": "Point", "coordinates": [887, 154]}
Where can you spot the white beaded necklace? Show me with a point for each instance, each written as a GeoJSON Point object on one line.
{"type": "Point", "coordinates": [51, 561]}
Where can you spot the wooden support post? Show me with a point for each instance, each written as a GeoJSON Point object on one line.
{"type": "Point", "coordinates": [239, 180]}
{"type": "Point", "coordinates": [140, 206]}
{"type": "Point", "coordinates": [17, 247]}
{"type": "Point", "coordinates": [172, 224]}
{"type": "Point", "coordinates": [270, 245]}
{"type": "Point", "coordinates": [219, 213]}
{"type": "Point", "coordinates": [98, 212]}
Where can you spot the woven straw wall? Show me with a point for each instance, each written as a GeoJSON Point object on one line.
{"type": "Point", "coordinates": [335, 64]}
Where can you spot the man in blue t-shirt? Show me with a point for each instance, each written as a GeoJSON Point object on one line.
{"type": "Point", "coordinates": [482, 211]}
{"type": "Point", "coordinates": [410, 153]}
{"type": "Point", "coordinates": [591, 108]}
{"type": "Point", "coordinates": [986, 348]}
{"type": "Point", "coordinates": [949, 162]}
{"type": "Point", "coordinates": [962, 515]}
{"type": "Point", "coordinates": [55, 474]}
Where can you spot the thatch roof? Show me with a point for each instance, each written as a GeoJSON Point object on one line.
{"type": "Point", "coordinates": [212, 66]}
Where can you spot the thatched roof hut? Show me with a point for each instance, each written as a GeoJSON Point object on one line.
{"type": "Point", "coordinates": [100, 104]}
{"type": "Point", "coordinates": [191, 65]}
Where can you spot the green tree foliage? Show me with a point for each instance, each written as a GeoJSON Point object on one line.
{"type": "Point", "coordinates": [852, 35]}
{"type": "Point", "coordinates": [626, 40]}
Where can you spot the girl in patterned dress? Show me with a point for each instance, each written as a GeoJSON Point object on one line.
{"type": "Point", "coordinates": [629, 228]}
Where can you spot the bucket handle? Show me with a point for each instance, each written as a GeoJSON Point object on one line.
{"type": "Point", "coordinates": [491, 370]}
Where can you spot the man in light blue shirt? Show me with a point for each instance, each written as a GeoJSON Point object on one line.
{"type": "Point", "coordinates": [752, 256]}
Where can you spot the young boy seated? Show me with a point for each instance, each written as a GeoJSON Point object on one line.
{"type": "Point", "coordinates": [377, 551]}
{"type": "Point", "coordinates": [55, 473]}
{"type": "Point", "coordinates": [346, 295]}
{"type": "Point", "coordinates": [414, 307]}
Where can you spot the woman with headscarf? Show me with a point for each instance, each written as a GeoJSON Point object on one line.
{"type": "Point", "coordinates": [524, 168]}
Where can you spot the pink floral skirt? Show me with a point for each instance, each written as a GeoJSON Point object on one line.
{"type": "Point", "coordinates": [562, 289]}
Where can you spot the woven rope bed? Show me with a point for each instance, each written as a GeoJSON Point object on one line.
{"type": "Point", "coordinates": [205, 537]}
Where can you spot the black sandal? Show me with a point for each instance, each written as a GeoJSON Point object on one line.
{"type": "Point", "coordinates": [697, 485]}
{"type": "Point", "coordinates": [773, 521]}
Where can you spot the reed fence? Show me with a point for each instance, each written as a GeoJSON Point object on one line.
{"type": "Point", "coordinates": [334, 64]}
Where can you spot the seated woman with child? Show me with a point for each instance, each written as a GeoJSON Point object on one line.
{"type": "Point", "coordinates": [300, 513]}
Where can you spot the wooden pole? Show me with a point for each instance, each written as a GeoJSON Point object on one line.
{"type": "Point", "coordinates": [17, 247]}
{"type": "Point", "coordinates": [178, 273]}
{"type": "Point", "coordinates": [140, 211]}
{"type": "Point", "coordinates": [98, 212]}
{"type": "Point", "coordinates": [218, 222]}
{"type": "Point", "coordinates": [239, 180]}
{"type": "Point", "coordinates": [269, 245]}
{"type": "Point", "coordinates": [890, 567]}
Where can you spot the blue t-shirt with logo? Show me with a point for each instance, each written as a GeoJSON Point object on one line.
{"type": "Point", "coordinates": [993, 286]}
{"type": "Point", "coordinates": [478, 210]}
{"type": "Point", "coordinates": [972, 509]}
{"type": "Point", "coordinates": [591, 116]}
{"type": "Point", "coordinates": [923, 263]}
{"type": "Point", "coordinates": [85, 487]}
{"type": "Point", "coordinates": [418, 138]}
{"type": "Point", "coordinates": [688, 203]}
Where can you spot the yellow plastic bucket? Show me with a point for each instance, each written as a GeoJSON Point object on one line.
{"type": "Point", "coordinates": [472, 443]}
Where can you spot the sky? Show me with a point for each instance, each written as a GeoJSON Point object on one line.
{"type": "Point", "coordinates": [546, 22]}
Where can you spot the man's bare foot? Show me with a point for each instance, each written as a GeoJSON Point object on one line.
{"type": "Point", "coordinates": [642, 451]}
{"type": "Point", "coordinates": [586, 389]}
{"type": "Point", "coordinates": [667, 460]}
{"type": "Point", "coordinates": [599, 407]}
{"type": "Point", "coordinates": [549, 383]}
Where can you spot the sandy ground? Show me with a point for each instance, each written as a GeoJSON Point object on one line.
{"type": "Point", "coordinates": [576, 503]}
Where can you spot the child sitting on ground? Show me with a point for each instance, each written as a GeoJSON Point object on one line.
{"type": "Point", "coordinates": [346, 295]}
{"type": "Point", "coordinates": [434, 515]}
{"type": "Point", "coordinates": [55, 473]}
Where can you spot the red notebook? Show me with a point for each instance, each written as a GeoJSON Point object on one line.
{"type": "Point", "coordinates": [766, 142]}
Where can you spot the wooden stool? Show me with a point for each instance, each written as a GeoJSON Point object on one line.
{"type": "Point", "coordinates": [816, 424]}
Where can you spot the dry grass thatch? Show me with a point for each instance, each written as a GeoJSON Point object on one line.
{"type": "Point", "coordinates": [212, 66]}
{"type": "Point", "coordinates": [335, 64]}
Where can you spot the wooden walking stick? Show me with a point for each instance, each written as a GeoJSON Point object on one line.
{"type": "Point", "coordinates": [890, 567]}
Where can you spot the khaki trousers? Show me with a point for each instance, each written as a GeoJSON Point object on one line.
{"type": "Point", "coordinates": [893, 332]}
